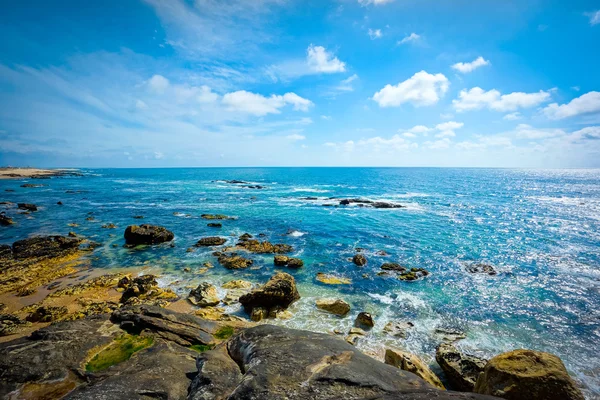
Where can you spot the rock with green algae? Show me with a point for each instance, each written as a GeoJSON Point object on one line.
{"type": "Point", "coordinates": [121, 349]}
{"type": "Point", "coordinates": [47, 314]}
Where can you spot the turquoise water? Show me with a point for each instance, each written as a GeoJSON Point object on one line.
{"type": "Point", "coordinates": [539, 228]}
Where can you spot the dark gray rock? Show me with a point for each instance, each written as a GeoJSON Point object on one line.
{"type": "Point", "coordinates": [147, 234]}
{"type": "Point", "coordinates": [461, 370]}
{"type": "Point", "coordinates": [278, 363]}
{"type": "Point", "coordinates": [44, 246]}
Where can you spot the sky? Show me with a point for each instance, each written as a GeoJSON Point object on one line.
{"type": "Point", "coordinates": [168, 83]}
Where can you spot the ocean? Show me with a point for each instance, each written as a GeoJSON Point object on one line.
{"type": "Point", "coordinates": [539, 229]}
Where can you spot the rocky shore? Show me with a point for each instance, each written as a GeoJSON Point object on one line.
{"type": "Point", "coordinates": [121, 335]}
{"type": "Point", "coordinates": [35, 173]}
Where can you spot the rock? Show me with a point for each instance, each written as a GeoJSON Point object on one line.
{"type": "Point", "coordinates": [461, 370]}
{"type": "Point", "coordinates": [393, 267]}
{"type": "Point", "coordinates": [215, 216]}
{"type": "Point", "coordinates": [245, 236]}
{"type": "Point", "coordinates": [480, 268]}
{"type": "Point", "coordinates": [204, 295]}
{"type": "Point", "coordinates": [270, 362]}
{"type": "Point", "coordinates": [413, 274]}
{"type": "Point", "coordinates": [280, 261]}
{"type": "Point", "coordinates": [332, 279]}
{"type": "Point", "coordinates": [183, 329]}
{"type": "Point", "coordinates": [234, 261]}
{"type": "Point", "coordinates": [109, 226]}
{"type": "Point", "coordinates": [280, 291]}
{"type": "Point", "coordinates": [450, 335]}
{"type": "Point", "coordinates": [370, 203]}
{"type": "Point", "coordinates": [32, 185]}
{"type": "Point", "coordinates": [144, 289]}
{"type": "Point", "coordinates": [138, 217]}
{"type": "Point", "coordinates": [47, 314]}
{"type": "Point", "coordinates": [364, 319]}
{"type": "Point", "coordinates": [45, 247]}
{"type": "Point", "coordinates": [5, 220]}
{"type": "Point", "coordinates": [10, 324]}
{"type": "Point", "coordinates": [27, 206]}
{"type": "Point", "coordinates": [527, 375]}
{"type": "Point", "coordinates": [398, 329]}
{"type": "Point", "coordinates": [411, 363]}
{"type": "Point", "coordinates": [359, 260]}
{"type": "Point", "coordinates": [258, 314]}
{"type": "Point", "coordinates": [211, 241]}
{"type": "Point", "coordinates": [255, 246]}
{"type": "Point", "coordinates": [334, 306]}
{"type": "Point", "coordinates": [72, 234]}
{"type": "Point", "coordinates": [5, 252]}
{"type": "Point", "coordinates": [214, 225]}
{"type": "Point", "coordinates": [285, 261]}
{"type": "Point", "coordinates": [59, 203]}
{"type": "Point", "coordinates": [237, 284]}
{"type": "Point", "coordinates": [147, 234]}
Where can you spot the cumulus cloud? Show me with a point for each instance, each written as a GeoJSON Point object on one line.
{"type": "Point", "coordinates": [438, 144]}
{"type": "Point", "coordinates": [477, 98]}
{"type": "Point", "coordinates": [465, 68]}
{"type": "Point", "coordinates": [447, 128]}
{"type": "Point", "coordinates": [295, 137]}
{"type": "Point", "coordinates": [158, 83]}
{"type": "Point", "coordinates": [376, 143]}
{"type": "Point", "coordinates": [320, 60]}
{"type": "Point", "coordinates": [587, 133]}
{"type": "Point", "coordinates": [375, 33]}
{"type": "Point", "coordinates": [513, 116]}
{"type": "Point", "coordinates": [585, 104]}
{"type": "Point", "coordinates": [422, 89]}
{"type": "Point", "coordinates": [528, 132]}
{"type": "Point", "coordinates": [413, 37]}
{"type": "Point", "coordinates": [259, 105]}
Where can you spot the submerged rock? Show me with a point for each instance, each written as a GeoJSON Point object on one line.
{"type": "Point", "coordinates": [109, 226]}
{"type": "Point", "coordinates": [147, 234]}
{"type": "Point", "coordinates": [211, 241]}
{"type": "Point", "coordinates": [214, 225]}
{"type": "Point", "coordinates": [330, 279]}
{"type": "Point", "coordinates": [398, 329]}
{"type": "Point", "coordinates": [204, 295]}
{"type": "Point", "coordinates": [527, 375]}
{"type": "Point", "coordinates": [411, 363]}
{"type": "Point", "coordinates": [393, 267]}
{"type": "Point", "coordinates": [215, 216]}
{"type": "Point", "coordinates": [27, 206]}
{"type": "Point", "coordinates": [5, 220]}
{"type": "Point", "coordinates": [279, 292]}
{"type": "Point", "coordinates": [481, 268]}
{"type": "Point", "coordinates": [334, 306]}
{"type": "Point", "coordinates": [460, 369]}
{"type": "Point", "coordinates": [285, 261]}
{"type": "Point", "coordinates": [413, 274]}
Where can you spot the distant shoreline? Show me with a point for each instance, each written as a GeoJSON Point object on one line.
{"type": "Point", "coordinates": [19, 173]}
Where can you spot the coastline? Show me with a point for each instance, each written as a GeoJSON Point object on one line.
{"type": "Point", "coordinates": [35, 173]}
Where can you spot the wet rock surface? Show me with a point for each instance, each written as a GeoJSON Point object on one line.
{"type": "Point", "coordinates": [279, 292]}
{"type": "Point", "coordinates": [411, 363]}
{"type": "Point", "coordinates": [481, 268]}
{"type": "Point", "coordinates": [360, 260]}
{"type": "Point", "coordinates": [204, 295]}
{"type": "Point", "coordinates": [334, 306]}
{"type": "Point", "coordinates": [211, 241]}
{"type": "Point", "coordinates": [147, 234]}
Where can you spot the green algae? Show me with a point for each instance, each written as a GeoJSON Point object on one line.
{"type": "Point", "coordinates": [121, 349]}
{"type": "Point", "coordinates": [224, 332]}
{"type": "Point", "coordinates": [201, 348]}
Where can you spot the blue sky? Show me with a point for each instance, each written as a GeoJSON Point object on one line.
{"type": "Point", "coordinates": [155, 83]}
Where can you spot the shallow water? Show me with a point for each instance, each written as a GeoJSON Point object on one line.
{"type": "Point", "coordinates": [539, 228]}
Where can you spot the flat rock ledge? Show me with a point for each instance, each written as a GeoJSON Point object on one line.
{"type": "Point", "coordinates": [180, 356]}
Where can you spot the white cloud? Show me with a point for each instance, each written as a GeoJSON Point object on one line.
{"type": "Point", "coordinates": [259, 105]}
{"type": "Point", "coordinates": [513, 116]}
{"type": "Point", "coordinates": [587, 133]}
{"type": "Point", "coordinates": [320, 60]}
{"type": "Point", "coordinates": [594, 17]}
{"type": "Point", "coordinates": [419, 129]}
{"type": "Point", "coordinates": [525, 131]}
{"type": "Point", "coordinates": [158, 155]}
{"type": "Point", "coordinates": [585, 104]}
{"type": "Point", "coordinates": [140, 105]}
{"type": "Point", "coordinates": [413, 37]}
{"type": "Point", "coordinates": [158, 83]}
{"type": "Point", "coordinates": [374, 2]}
{"type": "Point", "coordinates": [326, 117]}
{"type": "Point", "coordinates": [422, 89]}
{"type": "Point", "coordinates": [409, 135]}
{"type": "Point", "coordinates": [296, 137]}
{"type": "Point", "coordinates": [375, 33]}
{"type": "Point", "coordinates": [447, 128]}
{"type": "Point", "coordinates": [447, 116]}
{"type": "Point", "coordinates": [465, 68]}
{"type": "Point", "coordinates": [438, 144]}
{"type": "Point", "coordinates": [476, 99]}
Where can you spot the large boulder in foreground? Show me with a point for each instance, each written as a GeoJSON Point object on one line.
{"type": "Point", "coordinates": [527, 375]}
{"type": "Point", "coordinates": [278, 293]}
{"type": "Point", "coordinates": [147, 234]}
{"type": "Point", "coordinates": [270, 362]}
{"type": "Point", "coordinates": [411, 363]}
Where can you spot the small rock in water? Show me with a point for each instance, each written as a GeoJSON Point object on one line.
{"type": "Point", "coordinates": [481, 268]}
{"type": "Point", "coordinates": [393, 267]}
{"type": "Point", "coordinates": [60, 203]}
{"type": "Point", "coordinates": [237, 284]}
{"type": "Point", "coordinates": [5, 221]}
{"type": "Point", "coordinates": [450, 335]}
{"type": "Point", "coordinates": [413, 274]}
{"type": "Point", "coordinates": [147, 234]}
{"type": "Point", "coordinates": [364, 319]}
{"type": "Point", "coordinates": [109, 226]}
{"type": "Point", "coordinates": [332, 279]}
{"type": "Point", "coordinates": [234, 261]}
{"type": "Point", "coordinates": [246, 236]}
{"type": "Point", "coordinates": [284, 261]}
{"type": "Point", "coordinates": [214, 225]}
{"type": "Point", "coordinates": [279, 292]}
{"type": "Point", "coordinates": [334, 306]}
{"type": "Point", "coordinates": [359, 260]}
{"type": "Point", "coordinates": [138, 217]}
{"type": "Point", "coordinates": [27, 206]}
{"type": "Point", "coordinates": [398, 329]}
{"type": "Point", "coordinates": [211, 241]}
